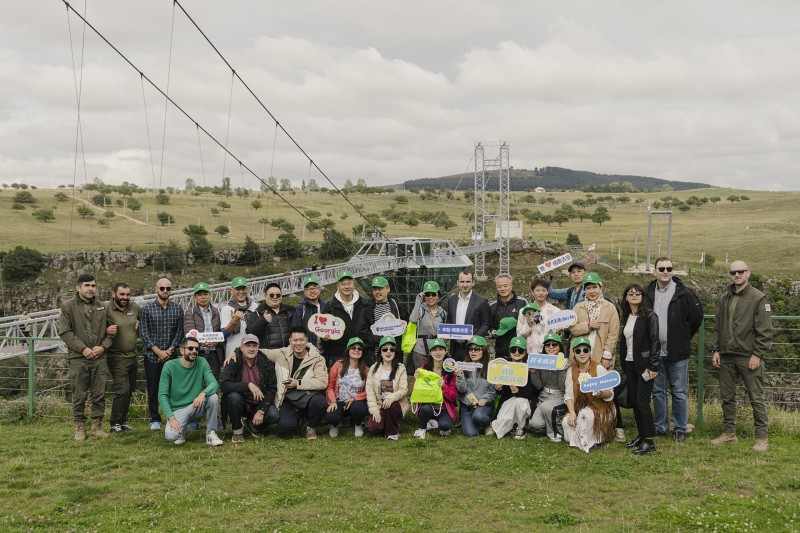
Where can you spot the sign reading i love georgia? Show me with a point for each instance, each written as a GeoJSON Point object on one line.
{"type": "Point", "coordinates": [547, 266]}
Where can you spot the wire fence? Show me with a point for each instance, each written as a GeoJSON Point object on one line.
{"type": "Point", "coordinates": [37, 384]}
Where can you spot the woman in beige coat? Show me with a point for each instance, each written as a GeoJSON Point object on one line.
{"type": "Point", "coordinates": [598, 320]}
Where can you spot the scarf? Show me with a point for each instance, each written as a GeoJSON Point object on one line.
{"type": "Point", "coordinates": [605, 413]}
{"type": "Point", "coordinates": [593, 309]}
{"type": "Point", "coordinates": [240, 307]}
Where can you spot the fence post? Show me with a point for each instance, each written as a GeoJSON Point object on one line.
{"type": "Point", "coordinates": [701, 346]}
{"type": "Point", "coordinates": [31, 378]}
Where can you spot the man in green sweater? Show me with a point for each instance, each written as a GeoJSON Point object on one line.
{"type": "Point", "coordinates": [187, 392]}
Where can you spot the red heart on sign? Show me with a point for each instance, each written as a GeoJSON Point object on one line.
{"type": "Point", "coordinates": [548, 264]}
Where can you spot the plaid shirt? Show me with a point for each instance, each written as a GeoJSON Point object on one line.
{"type": "Point", "coordinates": [160, 327]}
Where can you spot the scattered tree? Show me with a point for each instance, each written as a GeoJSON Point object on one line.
{"type": "Point", "coordinates": [162, 198]}
{"type": "Point", "coordinates": [24, 197]}
{"type": "Point", "coordinates": [44, 215]}
{"type": "Point", "coordinates": [22, 263]}
{"type": "Point", "coordinates": [256, 204]}
{"type": "Point", "coordinates": [288, 245]}
{"type": "Point", "coordinates": [84, 211]}
{"type": "Point", "coordinates": [165, 218]}
{"type": "Point", "coordinates": [335, 245]}
{"type": "Point", "coordinates": [251, 252]}
{"type": "Point", "coordinates": [199, 246]}
{"type": "Point", "coordinates": [60, 197]}
{"type": "Point", "coordinates": [134, 204]}
{"type": "Point", "coordinates": [600, 215]}
{"type": "Point", "coordinates": [222, 230]}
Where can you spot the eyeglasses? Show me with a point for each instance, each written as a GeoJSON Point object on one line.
{"type": "Point", "coordinates": [165, 289]}
{"type": "Point", "coordinates": [475, 349]}
{"type": "Point", "coordinates": [388, 349]}
{"type": "Point", "coordinates": [665, 269]}
{"type": "Point", "coordinates": [582, 351]}
{"type": "Point", "coordinates": [357, 347]}
{"type": "Point", "coordinates": [738, 272]}
{"type": "Point", "coordinates": [274, 296]}
{"type": "Point", "coordinates": [516, 350]}
{"type": "Point", "coordinates": [550, 344]}
{"type": "Point", "coordinates": [311, 288]}
{"type": "Point", "coordinates": [191, 348]}
{"type": "Point", "coordinates": [634, 294]}
{"type": "Point", "coordinates": [429, 294]}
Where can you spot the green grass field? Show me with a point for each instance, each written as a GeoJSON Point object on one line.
{"type": "Point", "coordinates": [138, 482]}
{"type": "Point", "coordinates": [763, 231]}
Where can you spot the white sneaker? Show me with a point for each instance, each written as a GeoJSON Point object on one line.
{"type": "Point", "coordinates": [519, 434]}
{"type": "Point", "coordinates": [180, 440]}
{"type": "Point", "coordinates": [334, 432]}
{"type": "Point", "coordinates": [445, 433]}
{"type": "Point", "coordinates": [359, 430]}
{"type": "Point", "coordinates": [155, 425]}
{"type": "Point", "coordinates": [212, 439]}
{"type": "Point", "coordinates": [489, 431]}
{"type": "Point", "coordinates": [392, 437]}
{"type": "Point", "coordinates": [433, 424]}
{"type": "Point", "coordinates": [420, 434]}
{"type": "Point", "coordinates": [620, 435]}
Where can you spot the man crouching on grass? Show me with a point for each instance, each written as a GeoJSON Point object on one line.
{"type": "Point", "coordinates": [182, 397]}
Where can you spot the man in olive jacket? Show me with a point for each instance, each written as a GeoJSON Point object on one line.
{"type": "Point", "coordinates": [743, 338]}
{"type": "Point", "coordinates": [82, 327]}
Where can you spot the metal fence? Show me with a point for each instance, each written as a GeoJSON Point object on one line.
{"type": "Point", "coordinates": [41, 377]}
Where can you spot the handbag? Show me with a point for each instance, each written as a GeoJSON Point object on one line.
{"type": "Point", "coordinates": [300, 398]}
{"type": "Point", "coordinates": [409, 338]}
{"type": "Point", "coordinates": [427, 388]}
{"type": "Point", "coordinates": [621, 396]}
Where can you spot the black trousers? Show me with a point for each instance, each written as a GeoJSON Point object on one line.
{"type": "Point", "coordinates": [357, 413]}
{"type": "Point", "coordinates": [290, 415]}
{"type": "Point", "coordinates": [236, 407]}
{"type": "Point", "coordinates": [640, 393]}
{"type": "Point", "coordinates": [152, 375]}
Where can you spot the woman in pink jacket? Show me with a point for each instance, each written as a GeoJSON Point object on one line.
{"type": "Point", "coordinates": [345, 393]}
{"type": "Point", "coordinates": [443, 414]}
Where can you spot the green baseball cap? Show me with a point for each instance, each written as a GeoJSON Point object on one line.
{"type": "Point", "coordinates": [518, 342]}
{"type": "Point", "coordinates": [355, 340]}
{"type": "Point", "coordinates": [386, 340]}
{"type": "Point", "coordinates": [238, 281]}
{"type": "Point", "coordinates": [436, 343]}
{"type": "Point", "coordinates": [380, 281]}
{"type": "Point", "coordinates": [309, 280]}
{"type": "Point", "coordinates": [344, 274]}
{"type": "Point", "coordinates": [553, 336]}
{"type": "Point", "coordinates": [202, 286]}
{"type": "Point", "coordinates": [430, 286]}
{"type": "Point", "coordinates": [506, 324]}
{"type": "Point", "coordinates": [477, 340]}
{"type": "Point", "coordinates": [530, 307]}
{"type": "Point", "coordinates": [581, 340]}
{"type": "Point", "coordinates": [592, 277]}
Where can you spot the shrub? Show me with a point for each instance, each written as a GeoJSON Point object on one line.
{"type": "Point", "coordinates": [22, 263]}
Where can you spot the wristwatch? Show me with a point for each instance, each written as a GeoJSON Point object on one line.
{"type": "Point", "coordinates": [261, 412]}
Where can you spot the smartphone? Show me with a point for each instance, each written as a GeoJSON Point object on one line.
{"type": "Point", "coordinates": [286, 381]}
{"type": "Point", "coordinates": [646, 375]}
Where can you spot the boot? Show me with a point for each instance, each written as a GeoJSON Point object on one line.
{"type": "Point", "coordinates": [97, 428]}
{"type": "Point", "coordinates": [80, 431]}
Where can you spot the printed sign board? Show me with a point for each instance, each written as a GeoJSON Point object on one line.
{"type": "Point", "coordinates": [388, 325]}
{"type": "Point", "coordinates": [547, 266]}
{"type": "Point", "coordinates": [609, 381]}
{"type": "Point", "coordinates": [502, 372]}
{"type": "Point", "coordinates": [211, 336]}
{"type": "Point", "coordinates": [461, 332]}
{"type": "Point", "coordinates": [326, 325]}
{"type": "Point", "coordinates": [468, 366]}
{"type": "Point", "coordinates": [562, 319]}
{"type": "Point", "coordinates": [543, 361]}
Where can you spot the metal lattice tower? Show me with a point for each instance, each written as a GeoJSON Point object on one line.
{"type": "Point", "coordinates": [484, 170]}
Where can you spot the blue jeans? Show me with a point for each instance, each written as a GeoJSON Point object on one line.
{"type": "Point", "coordinates": [426, 412]}
{"type": "Point", "coordinates": [677, 374]}
{"type": "Point", "coordinates": [474, 419]}
{"type": "Point", "coordinates": [187, 414]}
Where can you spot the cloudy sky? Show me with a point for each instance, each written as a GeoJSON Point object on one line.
{"type": "Point", "coordinates": [387, 91]}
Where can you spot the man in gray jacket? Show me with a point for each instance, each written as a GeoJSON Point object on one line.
{"type": "Point", "coordinates": [82, 327]}
{"type": "Point", "coordinates": [743, 338]}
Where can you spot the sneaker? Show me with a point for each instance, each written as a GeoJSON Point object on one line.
{"type": "Point", "coordinates": [679, 436]}
{"type": "Point", "coordinates": [116, 429]}
{"type": "Point", "coordinates": [359, 430]}
{"type": "Point", "coordinates": [334, 432]}
{"type": "Point", "coordinates": [392, 437]}
{"type": "Point", "coordinates": [238, 435]}
{"type": "Point", "coordinates": [180, 440]}
{"type": "Point", "coordinates": [311, 433]}
{"type": "Point", "coordinates": [444, 433]}
{"type": "Point", "coordinates": [761, 445]}
{"type": "Point", "coordinates": [420, 433]}
{"type": "Point", "coordinates": [620, 435]}
{"type": "Point", "coordinates": [212, 439]}
{"type": "Point", "coordinates": [725, 438]}
{"type": "Point", "coordinates": [489, 431]}
{"type": "Point", "coordinates": [155, 425]}
{"type": "Point", "coordinates": [432, 424]}
{"type": "Point", "coordinates": [519, 434]}
{"type": "Point", "coordinates": [248, 425]}
{"type": "Point", "coordinates": [126, 427]}
{"type": "Point", "coordinates": [194, 426]}
{"type": "Point", "coordinates": [557, 438]}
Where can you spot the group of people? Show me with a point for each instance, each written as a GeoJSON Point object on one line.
{"type": "Point", "coordinates": [273, 369]}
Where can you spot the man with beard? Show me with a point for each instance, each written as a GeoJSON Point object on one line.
{"type": "Point", "coordinates": [123, 320]}
{"type": "Point", "coordinates": [187, 392]}
{"type": "Point", "coordinates": [161, 330]}
{"type": "Point", "coordinates": [82, 327]}
{"type": "Point", "coordinates": [467, 307]}
{"type": "Point", "coordinates": [234, 314]}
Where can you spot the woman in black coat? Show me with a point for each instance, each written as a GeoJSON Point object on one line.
{"type": "Point", "coordinates": [639, 349]}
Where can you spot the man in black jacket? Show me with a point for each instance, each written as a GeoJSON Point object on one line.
{"type": "Point", "coordinates": [346, 306]}
{"type": "Point", "coordinates": [271, 321]}
{"type": "Point", "coordinates": [249, 385]}
{"type": "Point", "coordinates": [507, 305]}
{"type": "Point", "coordinates": [680, 315]}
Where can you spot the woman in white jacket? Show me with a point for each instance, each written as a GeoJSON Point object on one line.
{"type": "Point", "coordinates": [387, 391]}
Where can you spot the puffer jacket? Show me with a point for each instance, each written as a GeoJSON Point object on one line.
{"type": "Point", "coordinates": [273, 334]}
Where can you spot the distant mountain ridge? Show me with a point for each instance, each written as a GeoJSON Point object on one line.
{"type": "Point", "coordinates": [551, 178]}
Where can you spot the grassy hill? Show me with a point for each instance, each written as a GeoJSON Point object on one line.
{"type": "Point", "coordinates": [763, 230]}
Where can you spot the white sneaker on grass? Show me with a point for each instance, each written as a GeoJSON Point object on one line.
{"type": "Point", "coordinates": [432, 424]}
{"type": "Point", "coordinates": [620, 435]}
{"type": "Point", "coordinates": [392, 437]}
{"type": "Point", "coordinates": [180, 440]}
{"type": "Point", "coordinates": [420, 433]}
{"type": "Point", "coordinates": [359, 430]}
{"type": "Point", "coordinates": [155, 425]}
{"type": "Point", "coordinates": [334, 432]}
{"type": "Point", "coordinates": [212, 439]}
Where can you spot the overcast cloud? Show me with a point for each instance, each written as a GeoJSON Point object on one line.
{"type": "Point", "coordinates": [388, 91]}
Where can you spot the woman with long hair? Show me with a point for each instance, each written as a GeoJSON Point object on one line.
{"type": "Point", "coordinates": [445, 413]}
{"type": "Point", "coordinates": [639, 348]}
{"type": "Point", "coordinates": [387, 390]}
{"type": "Point", "coordinates": [550, 384]}
{"type": "Point", "coordinates": [427, 315]}
{"type": "Point", "coordinates": [475, 393]}
{"type": "Point", "coordinates": [345, 393]}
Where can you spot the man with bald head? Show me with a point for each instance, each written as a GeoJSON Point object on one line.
{"type": "Point", "coordinates": [161, 330]}
{"type": "Point", "coordinates": [743, 338]}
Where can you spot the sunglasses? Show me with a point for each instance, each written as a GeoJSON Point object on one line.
{"type": "Point", "coordinates": [357, 347]}
{"type": "Point", "coordinates": [551, 344]}
{"type": "Point", "coordinates": [388, 349]}
{"type": "Point", "coordinates": [429, 294]}
{"type": "Point", "coordinates": [191, 348]}
{"type": "Point", "coordinates": [475, 349]}
{"type": "Point", "coordinates": [165, 289]}
{"type": "Point", "coordinates": [516, 350]}
{"type": "Point", "coordinates": [274, 296]}
{"type": "Point", "coordinates": [738, 272]}
{"type": "Point", "coordinates": [582, 351]}
{"type": "Point", "coordinates": [633, 294]}
{"type": "Point", "coordinates": [665, 269]}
